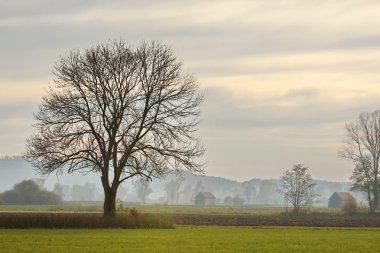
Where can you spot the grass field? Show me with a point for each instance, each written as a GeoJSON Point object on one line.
{"type": "Point", "coordinates": [192, 239]}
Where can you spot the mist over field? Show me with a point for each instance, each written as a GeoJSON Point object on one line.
{"type": "Point", "coordinates": [87, 187]}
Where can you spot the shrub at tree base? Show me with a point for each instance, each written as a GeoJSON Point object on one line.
{"type": "Point", "coordinates": [82, 220]}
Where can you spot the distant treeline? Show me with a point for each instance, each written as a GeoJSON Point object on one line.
{"type": "Point", "coordinates": [172, 190]}
{"type": "Point", "coordinates": [28, 192]}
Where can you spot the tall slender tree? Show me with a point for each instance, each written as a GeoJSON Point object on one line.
{"type": "Point", "coordinates": [297, 187]}
{"type": "Point", "coordinates": [363, 180]}
{"type": "Point", "coordinates": [121, 112]}
{"type": "Point", "coordinates": [362, 146]}
{"type": "Point", "coordinates": [172, 190]}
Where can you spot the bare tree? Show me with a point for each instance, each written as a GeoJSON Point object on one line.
{"type": "Point", "coordinates": [87, 192]}
{"type": "Point", "coordinates": [249, 191]}
{"type": "Point", "coordinates": [187, 194]}
{"type": "Point", "coordinates": [363, 181]}
{"type": "Point", "coordinates": [199, 187]}
{"type": "Point", "coordinates": [362, 146]}
{"type": "Point", "coordinates": [267, 192]}
{"type": "Point", "coordinates": [172, 190]}
{"type": "Point", "coordinates": [121, 112]}
{"type": "Point", "coordinates": [58, 189]}
{"type": "Point", "coordinates": [143, 189]}
{"type": "Point", "coordinates": [297, 187]}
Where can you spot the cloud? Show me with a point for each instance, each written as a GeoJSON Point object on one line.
{"type": "Point", "coordinates": [302, 107]}
{"type": "Point", "coordinates": [269, 135]}
{"type": "Point", "coordinates": [15, 126]}
{"type": "Point", "coordinates": [243, 33]}
{"type": "Point", "coordinates": [280, 77]}
{"type": "Point", "coordinates": [22, 91]}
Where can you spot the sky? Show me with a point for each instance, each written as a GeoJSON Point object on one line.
{"type": "Point", "coordinates": [280, 78]}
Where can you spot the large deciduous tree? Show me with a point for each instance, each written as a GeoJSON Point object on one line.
{"type": "Point", "coordinates": [362, 146]}
{"type": "Point", "coordinates": [119, 111]}
{"type": "Point", "coordinates": [297, 187]}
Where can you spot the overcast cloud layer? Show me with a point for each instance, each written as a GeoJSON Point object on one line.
{"type": "Point", "coordinates": [280, 78]}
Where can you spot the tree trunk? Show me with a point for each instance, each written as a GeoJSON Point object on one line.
{"type": "Point", "coordinates": [375, 195]}
{"type": "Point", "coordinates": [370, 203]}
{"type": "Point", "coordinates": [296, 209]}
{"type": "Point", "coordinates": [109, 204]}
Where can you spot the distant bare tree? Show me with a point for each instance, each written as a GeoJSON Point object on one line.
{"type": "Point", "coordinates": [78, 193]}
{"type": "Point", "coordinates": [199, 187]}
{"type": "Point", "coordinates": [172, 190]}
{"type": "Point", "coordinates": [120, 112]}
{"type": "Point", "coordinates": [249, 191]}
{"type": "Point", "coordinates": [142, 189]}
{"type": "Point", "coordinates": [362, 146]}
{"type": "Point", "coordinates": [297, 187]}
{"type": "Point", "coordinates": [267, 192]}
{"type": "Point", "coordinates": [58, 189]}
{"type": "Point", "coordinates": [40, 182]}
{"type": "Point", "coordinates": [122, 193]}
{"type": "Point", "coordinates": [187, 193]}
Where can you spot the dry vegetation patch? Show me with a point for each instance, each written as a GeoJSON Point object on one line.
{"type": "Point", "coordinates": [131, 219]}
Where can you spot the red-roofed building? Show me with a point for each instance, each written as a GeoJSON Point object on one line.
{"type": "Point", "coordinates": [338, 199]}
{"type": "Point", "coordinates": [204, 198]}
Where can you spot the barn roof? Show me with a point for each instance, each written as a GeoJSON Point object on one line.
{"type": "Point", "coordinates": [344, 195]}
{"type": "Point", "coordinates": [205, 195]}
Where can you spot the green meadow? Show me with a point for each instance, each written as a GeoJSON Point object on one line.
{"type": "Point", "coordinates": [193, 239]}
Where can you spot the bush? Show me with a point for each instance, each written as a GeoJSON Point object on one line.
{"type": "Point", "coordinates": [122, 210]}
{"type": "Point", "coordinates": [133, 212]}
{"type": "Point", "coordinates": [28, 192]}
{"type": "Point", "coordinates": [350, 206]}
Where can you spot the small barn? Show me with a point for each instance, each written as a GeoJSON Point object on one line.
{"type": "Point", "coordinates": [204, 198]}
{"type": "Point", "coordinates": [338, 199]}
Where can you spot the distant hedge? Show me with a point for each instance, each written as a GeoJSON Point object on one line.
{"type": "Point", "coordinates": [132, 219]}
{"type": "Point", "coordinates": [28, 192]}
{"type": "Point", "coordinates": [277, 220]}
